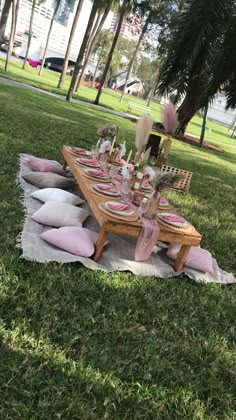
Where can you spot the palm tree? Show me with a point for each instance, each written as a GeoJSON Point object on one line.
{"type": "Point", "coordinates": [81, 54]}
{"type": "Point", "coordinates": [123, 11]}
{"type": "Point", "coordinates": [188, 70]}
{"type": "Point", "coordinates": [92, 43]}
{"type": "Point", "coordinates": [67, 55]}
{"type": "Point", "coordinates": [48, 36]}
{"type": "Point", "coordinates": [11, 39]}
{"type": "Point", "coordinates": [30, 35]}
{"type": "Point", "coordinates": [3, 19]}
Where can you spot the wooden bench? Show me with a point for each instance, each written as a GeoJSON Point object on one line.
{"type": "Point", "coordinates": [133, 105]}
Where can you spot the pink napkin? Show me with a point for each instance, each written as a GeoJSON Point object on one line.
{"type": "Point", "coordinates": [116, 206]}
{"type": "Point", "coordinates": [78, 149]}
{"type": "Point", "coordinates": [91, 161]}
{"type": "Point", "coordinates": [96, 172]}
{"type": "Point", "coordinates": [147, 239]}
{"type": "Point", "coordinates": [109, 188]}
{"type": "Point", "coordinates": [174, 218]}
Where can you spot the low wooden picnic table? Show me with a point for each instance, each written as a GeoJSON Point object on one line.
{"type": "Point", "coordinates": [110, 224]}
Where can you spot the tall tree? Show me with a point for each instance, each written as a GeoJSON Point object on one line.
{"type": "Point", "coordinates": [123, 11]}
{"type": "Point", "coordinates": [30, 35]}
{"type": "Point", "coordinates": [137, 48]}
{"type": "Point", "coordinates": [17, 12]}
{"type": "Point", "coordinates": [197, 41]}
{"type": "Point", "coordinates": [92, 43]}
{"type": "Point", "coordinates": [81, 54]}
{"type": "Point", "coordinates": [3, 19]}
{"type": "Point", "coordinates": [68, 49]}
{"type": "Point", "coordinates": [48, 36]}
{"type": "Point", "coordinates": [103, 42]}
{"type": "Point", "coordinates": [11, 39]}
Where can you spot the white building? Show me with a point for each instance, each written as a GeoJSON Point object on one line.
{"type": "Point", "coordinates": [60, 31]}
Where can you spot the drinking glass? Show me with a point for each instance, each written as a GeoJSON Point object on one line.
{"type": "Point", "coordinates": [143, 207]}
{"type": "Point", "coordinates": [103, 162]}
{"type": "Point", "coordinates": [94, 153]}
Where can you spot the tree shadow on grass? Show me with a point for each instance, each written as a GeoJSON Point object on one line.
{"type": "Point", "coordinates": [149, 348]}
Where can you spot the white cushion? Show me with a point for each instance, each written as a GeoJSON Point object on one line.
{"type": "Point", "coordinates": [59, 214]}
{"type": "Point", "coordinates": [56, 194]}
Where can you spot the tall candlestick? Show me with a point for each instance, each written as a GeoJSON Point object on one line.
{"type": "Point", "coordinates": [129, 156]}
{"type": "Point", "coordinates": [112, 146]}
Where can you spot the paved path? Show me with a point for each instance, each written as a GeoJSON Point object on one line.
{"type": "Point", "coordinates": [6, 81]}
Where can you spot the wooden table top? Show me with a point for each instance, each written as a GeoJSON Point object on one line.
{"type": "Point", "coordinates": [116, 225]}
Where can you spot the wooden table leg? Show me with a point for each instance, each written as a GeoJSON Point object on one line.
{"type": "Point", "coordinates": [64, 165]}
{"type": "Point", "coordinates": [100, 243]}
{"type": "Point", "coordinates": [181, 257]}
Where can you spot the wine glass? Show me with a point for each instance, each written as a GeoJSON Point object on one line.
{"type": "Point", "coordinates": [103, 162]}
{"type": "Point", "coordinates": [94, 153]}
{"type": "Point", "coordinates": [143, 206]}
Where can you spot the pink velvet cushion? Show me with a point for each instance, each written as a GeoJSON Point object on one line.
{"type": "Point", "coordinates": [198, 258]}
{"type": "Point", "coordinates": [45, 165]}
{"type": "Point", "coordinates": [76, 240]}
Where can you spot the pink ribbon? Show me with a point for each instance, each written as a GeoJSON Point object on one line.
{"type": "Point", "coordinates": [147, 239]}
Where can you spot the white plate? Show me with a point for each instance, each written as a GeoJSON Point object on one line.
{"type": "Point", "coordinates": [113, 194]}
{"type": "Point", "coordinates": [178, 224]}
{"type": "Point", "coordinates": [94, 165]}
{"type": "Point", "coordinates": [120, 213]}
{"type": "Point", "coordinates": [88, 172]}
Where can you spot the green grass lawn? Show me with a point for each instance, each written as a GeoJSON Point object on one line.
{"type": "Point", "coordinates": [78, 344]}
{"type": "Point", "coordinates": [49, 80]}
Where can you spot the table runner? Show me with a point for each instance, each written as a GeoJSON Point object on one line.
{"type": "Point", "coordinates": [117, 256]}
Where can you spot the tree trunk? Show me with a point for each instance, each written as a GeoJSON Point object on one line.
{"type": "Point", "coordinates": [67, 56]}
{"type": "Point", "coordinates": [109, 58]}
{"type": "Point", "coordinates": [201, 140]}
{"type": "Point", "coordinates": [82, 50]}
{"type": "Point", "coordinates": [17, 11]}
{"type": "Point", "coordinates": [154, 87]}
{"type": "Point", "coordinates": [11, 39]}
{"type": "Point", "coordinates": [131, 63]}
{"type": "Point", "coordinates": [96, 69]}
{"type": "Point", "coordinates": [92, 45]}
{"type": "Point", "coordinates": [30, 36]}
{"type": "Point", "coordinates": [3, 20]}
{"type": "Point", "coordinates": [87, 53]}
{"type": "Point", "coordinates": [48, 37]}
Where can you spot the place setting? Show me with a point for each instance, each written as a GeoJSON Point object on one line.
{"type": "Point", "coordinates": [78, 151]}
{"type": "Point", "coordinates": [174, 221]}
{"type": "Point", "coordinates": [119, 210]}
{"type": "Point", "coordinates": [105, 190]}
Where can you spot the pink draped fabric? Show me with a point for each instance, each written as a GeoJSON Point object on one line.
{"type": "Point", "coordinates": [33, 63]}
{"type": "Point", "coordinates": [147, 239]}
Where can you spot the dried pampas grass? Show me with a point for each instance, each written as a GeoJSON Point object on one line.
{"type": "Point", "coordinates": [165, 181]}
{"type": "Point", "coordinates": [169, 118]}
{"type": "Point", "coordinates": [143, 129]}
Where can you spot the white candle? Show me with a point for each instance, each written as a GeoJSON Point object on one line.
{"type": "Point", "coordinates": [112, 146]}
{"type": "Point", "coordinates": [129, 156]}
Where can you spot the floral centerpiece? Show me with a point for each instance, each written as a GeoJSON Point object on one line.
{"type": "Point", "coordinates": [159, 183]}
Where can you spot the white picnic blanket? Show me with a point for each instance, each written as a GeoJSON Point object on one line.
{"type": "Point", "coordinates": [118, 255]}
